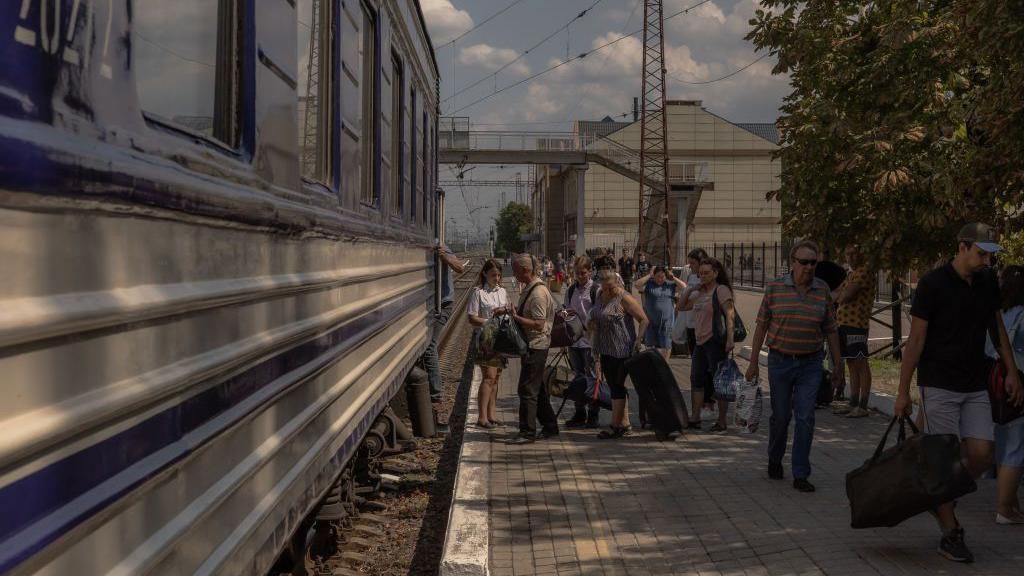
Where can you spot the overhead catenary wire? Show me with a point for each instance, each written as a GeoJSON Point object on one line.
{"type": "Point", "coordinates": [580, 56]}
{"type": "Point", "coordinates": [177, 55]}
{"type": "Point", "coordinates": [482, 22]}
{"type": "Point", "coordinates": [544, 122]}
{"type": "Point", "coordinates": [629, 18]}
{"type": "Point", "coordinates": [522, 54]}
{"type": "Point", "coordinates": [726, 77]}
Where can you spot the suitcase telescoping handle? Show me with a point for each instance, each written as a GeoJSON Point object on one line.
{"type": "Point", "coordinates": [900, 437]}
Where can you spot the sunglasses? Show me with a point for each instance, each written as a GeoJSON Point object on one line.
{"type": "Point", "coordinates": [806, 261]}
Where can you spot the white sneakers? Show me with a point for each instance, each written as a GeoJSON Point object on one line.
{"type": "Point", "coordinates": [707, 413]}
{"type": "Point", "coordinates": [1017, 518]}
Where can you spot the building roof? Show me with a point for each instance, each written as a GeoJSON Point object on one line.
{"type": "Point", "coordinates": [599, 129]}
{"type": "Point", "coordinates": [766, 130]}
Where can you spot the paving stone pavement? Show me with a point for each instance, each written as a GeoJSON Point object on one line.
{"type": "Point", "coordinates": [703, 505]}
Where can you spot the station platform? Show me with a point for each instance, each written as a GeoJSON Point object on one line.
{"type": "Point", "coordinates": [701, 505]}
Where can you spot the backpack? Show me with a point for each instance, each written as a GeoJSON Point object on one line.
{"type": "Point", "coordinates": [593, 293]}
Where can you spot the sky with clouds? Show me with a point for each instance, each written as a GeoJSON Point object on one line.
{"type": "Point", "coordinates": [703, 44]}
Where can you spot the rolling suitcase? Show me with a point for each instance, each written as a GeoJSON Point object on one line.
{"type": "Point", "coordinates": [656, 388]}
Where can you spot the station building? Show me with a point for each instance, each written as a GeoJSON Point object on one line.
{"type": "Point", "coordinates": [730, 163]}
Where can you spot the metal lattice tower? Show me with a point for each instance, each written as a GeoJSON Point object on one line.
{"type": "Point", "coordinates": [655, 227]}
{"type": "Point", "coordinates": [311, 122]}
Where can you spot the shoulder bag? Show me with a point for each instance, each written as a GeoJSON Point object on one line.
{"type": "Point", "coordinates": [739, 331]}
{"type": "Point", "coordinates": [567, 329]}
{"type": "Point", "coordinates": [1003, 412]}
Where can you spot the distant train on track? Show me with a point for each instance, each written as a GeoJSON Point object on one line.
{"type": "Point", "coordinates": [215, 222]}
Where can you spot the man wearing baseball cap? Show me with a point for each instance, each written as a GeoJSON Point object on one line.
{"type": "Point", "coordinates": [953, 308]}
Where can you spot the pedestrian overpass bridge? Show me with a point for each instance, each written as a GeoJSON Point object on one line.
{"type": "Point", "coordinates": [686, 179]}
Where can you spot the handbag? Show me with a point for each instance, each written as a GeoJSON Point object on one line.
{"type": "Point", "coordinates": [567, 329]}
{"type": "Point", "coordinates": [508, 338]}
{"type": "Point", "coordinates": [1003, 412]}
{"type": "Point", "coordinates": [508, 335]}
{"type": "Point", "coordinates": [916, 475]}
{"type": "Point", "coordinates": [598, 392]}
{"type": "Point", "coordinates": [739, 330]}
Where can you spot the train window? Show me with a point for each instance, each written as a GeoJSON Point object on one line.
{"type": "Point", "coordinates": [428, 170]}
{"type": "Point", "coordinates": [187, 64]}
{"type": "Point", "coordinates": [426, 175]}
{"type": "Point", "coordinates": [316, 43]}
{"type": "Point", "coordinates": [413, 159]}
{"type": "Point", "coordinates": [367, 129]}
{"type": "Point", "coordinates": [397, 135]}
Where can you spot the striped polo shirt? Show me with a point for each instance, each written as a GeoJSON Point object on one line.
{"type": "Point", "coordinates": [797, 324]}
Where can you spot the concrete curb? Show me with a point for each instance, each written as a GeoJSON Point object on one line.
{"type": "Point", "coordinates": [467, 541]}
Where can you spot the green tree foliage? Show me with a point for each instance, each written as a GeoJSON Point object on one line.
{"type": "Point", "coordinates": [514, 220]}
{"type": "Point", "coordinates": [906, 120]}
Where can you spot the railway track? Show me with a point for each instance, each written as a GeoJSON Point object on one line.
{"type": "Point", "coordinates": [393, 517]}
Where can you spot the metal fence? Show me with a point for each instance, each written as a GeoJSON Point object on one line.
{"type": "Point", "coordinates": [753, 264]}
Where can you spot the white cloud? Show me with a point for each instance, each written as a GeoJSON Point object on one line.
{"type": "Point", "coordinates": [710, 45]}
{"type": "Point", "coordinates": [444, 20]}
{"type": "Point", "coordinates": [491, 58]}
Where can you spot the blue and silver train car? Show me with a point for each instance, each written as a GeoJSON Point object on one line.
{"type": "Point", "coordinates": [215, 224]}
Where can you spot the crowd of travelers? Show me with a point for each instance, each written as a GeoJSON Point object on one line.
{"type": "Point", "coordinates": [964, 318]}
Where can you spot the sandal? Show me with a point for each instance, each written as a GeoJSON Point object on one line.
{"type": "Point", "coordinates": [718, 428]}
{"type": "Point", "coordinates": [485, 425]}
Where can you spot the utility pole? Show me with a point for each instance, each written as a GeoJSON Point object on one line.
{"type": "Point", "coordinates": [655, 228]}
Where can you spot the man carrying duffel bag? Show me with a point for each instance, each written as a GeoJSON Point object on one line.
{"type": "Point", "coordinates": [953, 308]}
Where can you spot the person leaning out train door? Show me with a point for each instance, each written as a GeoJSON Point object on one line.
{"type": "Point", "coordinates": [448, 262]}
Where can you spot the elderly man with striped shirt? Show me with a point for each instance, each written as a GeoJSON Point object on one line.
{"type": "Point", "coordinates": [795, 319]}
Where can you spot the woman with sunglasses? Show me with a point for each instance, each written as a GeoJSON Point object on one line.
{"type": "Point", "coordinates": [711, 349]}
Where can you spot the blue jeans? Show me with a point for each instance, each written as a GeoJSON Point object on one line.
{"type": "Point", "coordinates": [793, 383]}
{"type": "Point", "coordinates": [430, 360]}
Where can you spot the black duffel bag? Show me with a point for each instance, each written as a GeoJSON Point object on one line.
{"type": "Point", "coordinates": [914, 476]}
